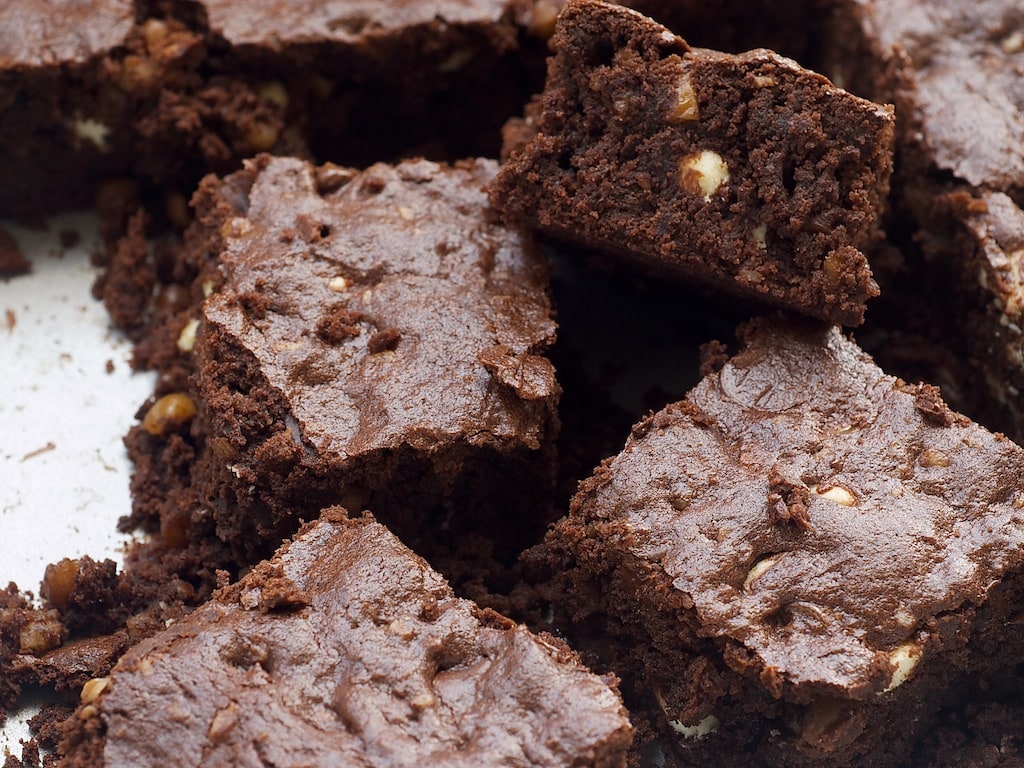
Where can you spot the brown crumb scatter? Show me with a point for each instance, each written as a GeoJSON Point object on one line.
{"type": "Point", "coordinates": [928, 401]}
{"type": "Point", "coordinates": [39, 451]}
{"type": "Point", "coordinates": [10, 319]}
{"type": "Point", "coordinates": [110, 366]}
{"type": "Point", "coordinates": [255, 305]}
{"type": "Point", "coordinates": [127, 287]}
{"type": "Point", "coordinates": [384, 341]}
{"type": "Point", "coordinates": [713, 356]}
{"type": "Point", "coordinates": [281, 594]}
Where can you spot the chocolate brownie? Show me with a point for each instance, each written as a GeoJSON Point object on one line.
{"type": "Point", "coordinates": [801, 562]}
{"type": "Point", "coordinates": [50, 56]}
{"type": "Point", "coordinates": [954, 73]}
{"type": "Point", "coordinates": [375, 338]}
{"type": "Point", "coordinates": [158, 93]}
{"type": "Point", "coordinates": [347, 648]}
{"type": "Point", "coordinates": [746, 173]}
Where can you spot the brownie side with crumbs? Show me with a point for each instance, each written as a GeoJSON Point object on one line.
{"type": "Point", "coordinates": [376, 338]}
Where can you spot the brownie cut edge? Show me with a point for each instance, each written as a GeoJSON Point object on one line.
{"type": "Point", "coordinates": [744, 173]}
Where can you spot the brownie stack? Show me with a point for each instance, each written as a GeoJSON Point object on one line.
{"type": "Point", "coordinates": [371, 444]}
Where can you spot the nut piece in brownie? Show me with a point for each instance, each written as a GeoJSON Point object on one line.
{"type": "Point", "coordinates": [742, 172]}
{"type": "Point", "coordinates": [801, 562]}
{"type": "Point", "coordinates": [371, 338]}
{"type": "Point", "coordinates": [347, 648]}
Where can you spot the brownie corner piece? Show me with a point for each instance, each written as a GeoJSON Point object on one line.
{"type": "Point", "coordinates": [802, 562]}
{"type": "Point", "coordinates": [347, 649]}
{"type": "Point", "coordinates": [745, 173]}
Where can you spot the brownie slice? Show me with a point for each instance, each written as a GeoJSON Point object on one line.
{"type": "Point", "coordinates": [51, 112]}
{"type": "Point", "coordinates": [375, 338]}
{"type": "Point", "coordinates": [801, 562]}
{"type": "Point", "coordinates": [347, 648]}
{"type": "Point", "coordinates": [745, 173]}
{"type": "Point", "coordinates": [153, 94]}
{"type": "Point", "coordinates": [954, 74]}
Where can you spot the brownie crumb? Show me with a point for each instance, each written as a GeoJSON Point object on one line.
{"type": "Point", "coordinates": [338, 324]}
{"type": "Point", "coordinates": [12, 260]}
{"type": "Point", "coordinates": [384, 341]}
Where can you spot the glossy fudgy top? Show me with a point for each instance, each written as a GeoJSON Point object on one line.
{"type": "Point", "coordinates": [968, 61]}
{"type": "Point", "coordinates": [271, 22]}
{"type": "Point", "coordinates": [35, 34]}
{"type": "Point", "coordinates": [347, 649]}
{"type": "Point", "coordinates": [816, 510]}
{"type": "Point", "coordinates": [389, 309]}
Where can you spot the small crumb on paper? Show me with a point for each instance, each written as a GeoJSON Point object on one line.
{"type": "Point", "coordinates": [39, 451]}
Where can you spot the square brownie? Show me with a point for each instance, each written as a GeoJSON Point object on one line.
{"type": "Point", "coordinates": [53, 122]}
{"type": "Point", "coordinates": [375, 338]}
{"type": "Point", "coordinates": [347, 649]}
{"type": "Point", "coordinates": [745, 173]}
{"type": "Point", "coordinates": [954, 73]}
{"type": "Point", "coordinates": [801, 563]}
{"type": "Point", "coordinates": [150, 96]}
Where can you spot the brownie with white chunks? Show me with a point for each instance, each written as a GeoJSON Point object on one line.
{"type": "Point", "coordinates": [347, 649]}
{"type": "Point", "coordinates": [802, 562]}
{"type": "Point", "coordinates": [371, 338]}
{"type": "Point", "coordinates": [745, 173]}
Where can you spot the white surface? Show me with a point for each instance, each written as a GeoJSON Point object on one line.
{"type": "Point", "coordinates": [55, 390]}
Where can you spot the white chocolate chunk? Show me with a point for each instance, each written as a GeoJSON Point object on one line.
{"type": "Point", "coordinates": [707, 169]}
{"type": "Point", "coordinates": [338, 284]}
{"type": "Point", "coordinates": [87, 129]}
{"type": "Point", "coordinates": [94, 688]}
{"type": "Point", "coordinates": [761, 236]}
{"type": "Point", "coordinates": [1014, 42]}
{"type": "Point", "coordinates": [187, 337]}
{"type": "Point", "coordinates": [758, 569]}
{"type": "Point", "coordinates": [708, 725]}
{"type": "Point", "coordinates": [904, 659]}
{"type": "Point", "coordinates": [687, 108]}
{"type": "Point", "coordinates": [835, 493]}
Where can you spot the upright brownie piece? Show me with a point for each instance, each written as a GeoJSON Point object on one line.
{"type": "Point", "coordinates": [347, 649]}
{"type": "Point", "coordinates": [745, 173]}
{"type": "Point", "coordinates": [801, 562]}
{"type": "Point", "coordinates": [374, 338]}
